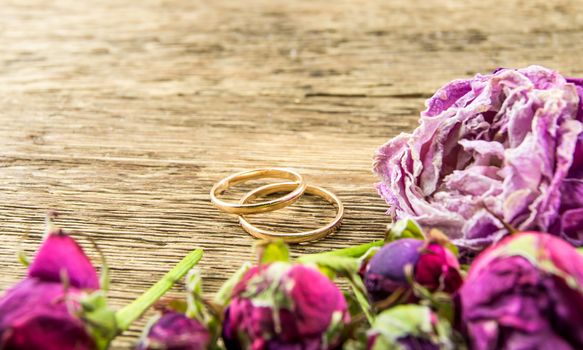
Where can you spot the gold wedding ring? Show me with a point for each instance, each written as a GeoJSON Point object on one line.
{"type": "Point", "coordinates": [294, 190]}
{"type": "Point", "coordinates": [299, 236]}
{"type": "Point", "coordinates": [297, 188]}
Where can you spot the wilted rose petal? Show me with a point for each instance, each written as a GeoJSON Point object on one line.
{"type": "Point", "coordinates": [60, 256]}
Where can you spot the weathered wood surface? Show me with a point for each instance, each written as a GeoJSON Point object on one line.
{"type": "Point", "coordinates": [122, 115]}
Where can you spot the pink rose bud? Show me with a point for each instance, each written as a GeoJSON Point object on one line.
{"type": "Point", "coordinates": [176, 331]}
{"type": "Point", "coordinates": [433, 266]}
{"type": "Point", "coordinates": [284, 306]}
{"type": "Point", "coordinates": [526, 292]}
{"type": "Point", "coordinates": [41, 312]}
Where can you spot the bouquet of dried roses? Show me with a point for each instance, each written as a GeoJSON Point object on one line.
{"type": "Point", "coordinates": [494, 171]}
{"type": "Point", "coordinates": [407, 292]}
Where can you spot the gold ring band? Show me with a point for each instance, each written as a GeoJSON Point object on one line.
{"type": "Point", "coordinates": [297, 188]}
{"type": "Point", "coordinates": [293, 237]}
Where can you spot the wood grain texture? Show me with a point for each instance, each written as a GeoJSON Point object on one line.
{"type": "Point", "coordinates": [121, 115]}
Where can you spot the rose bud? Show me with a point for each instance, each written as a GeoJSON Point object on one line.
{"type": "Point", "coordinates": [507, 144]}
{"type": "Point", "coordinates": [409, 327]}
{"type": "Point", "coordinates": [44, 310]}
{"type": "Point", "coordinates": [182, 325]}
{"type": "Point", "coordinates": [525, 293]}
{"type": "Point", "coordinates": [433, 266]}
{"type": "Point", "coordinates": [176, 331]}
{"type": "Point", "coordinates": [284, 306]}
{"type": "Point", "coordinates": [62, 305]}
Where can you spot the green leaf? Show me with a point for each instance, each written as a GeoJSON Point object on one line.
{"type": "Point", "coordinates": [196, 308]}
{"type": "Point", "coordinates": [180, 306]}
{"type": "Point", "coordinates": [403, 320]}
{"type": "Point", "coordinates": [128, 314]}
{"type": "Point", "coordinates": [331, 274]}
{"type": "Point", "coordinates": [100, 319]}
{"type": "Point", "coordinates": [359, 291]}
{"type": "Point", "coordinates": [223, 296]}
{"type": "Point", "coordinates": [23, 259]}
{"type": "Point", "coordinates": [273, 251]}
{"type": "Point", "coordinates": [350, 252]}
{"type": "Point", "coordinates": [339, 264]}
{"type": "Point", "coordinates": [411, 320]}
{"type": "Point", "coordinates": [407, 228]}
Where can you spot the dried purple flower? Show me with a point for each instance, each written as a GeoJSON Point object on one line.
{"type": "Point", "coordinates": [525, 293]}
{"type": "Point", "coordinates": [176, 331]}
{"type": "Point", "coordinates": [510, 141]}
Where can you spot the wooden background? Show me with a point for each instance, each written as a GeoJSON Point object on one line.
{"type": "Point", "coordinates": [121, 115]}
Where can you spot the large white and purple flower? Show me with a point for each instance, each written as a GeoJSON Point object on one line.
{"type": "Point", "coordinates": [508, 143]}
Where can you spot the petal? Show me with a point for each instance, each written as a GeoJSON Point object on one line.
{"type": "Point", "coordinates": [447, 96]}
{"type": "Point", "coordinates": [59, 254]}
{"type": "Point", "coordinates": [572, 226]}
{"type": "Point", "coordinates": [578, 82]}
{"type": "Point", "coordinates": [36, 315]}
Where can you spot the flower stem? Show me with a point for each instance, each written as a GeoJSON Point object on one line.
{"type": "Point", "coordinates": [350, 252]}
{"type": "Point", "coordinates": [131, 312]}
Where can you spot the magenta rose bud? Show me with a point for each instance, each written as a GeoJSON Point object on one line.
{"type": "Point", "coordinates": [176, 331]}
{"type": "Point", "coordinates": [283, 306]}
{"type": "Point", "coordinates": [503, 145]}
{"type": "Point", "coordinates": [40, 312]}
{"type": "Point", "coordinates": [525, 293]}
{"type": "Point", "coordinates": [433, 266]}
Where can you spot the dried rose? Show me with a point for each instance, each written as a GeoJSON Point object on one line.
{"type": "Point", "coordinates": [62, 305]}
{"type": "Point", "coordinates": [510, 141]}
{"type": "Point", "coordinates": [409, 327]}
{"type": "Point", "coordinates": [432, 266]}
{"type": "Point", "coordinates": [525, 293]}
{"type": "Point", "coordinates": [284, 306]}
{"type": "Point", "coordinates": [182, 325]}
{"type": "Point", "coordinates": [44, 310]}
{"type": "Point", "coordinates": [176, 331]}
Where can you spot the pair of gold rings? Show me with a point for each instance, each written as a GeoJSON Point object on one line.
{"type": "Point", "coordinates": [294, 190]}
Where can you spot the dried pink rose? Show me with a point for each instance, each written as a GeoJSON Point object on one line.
{"type": "Point", "coordinates": [510, 141]}
{"type": "Point", "coordinates": [43, 311]}
{"type": "Point", "coordinates": [283, 306]}
{"type": "Point", "coordinates": [433, 266]}
{"type": "Point", "coordinates": [176, 331]}
{"type": "Point", "coordinates": [526, 292]}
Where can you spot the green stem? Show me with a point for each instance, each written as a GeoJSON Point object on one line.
{"type": "Point", "coordinates": [129, 313]}
{"type": "Point", "coordinates": [350, 252]}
